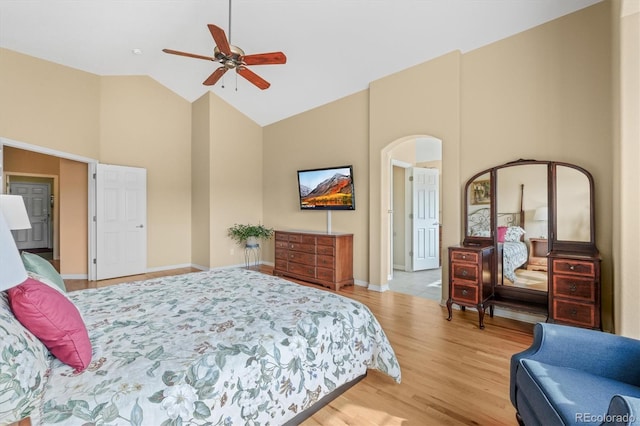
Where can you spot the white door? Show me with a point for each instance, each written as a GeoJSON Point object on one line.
{"type": "Point", "coordinates": [121, 221]}
{"type": "Point", "coordinates": [426, 221]}
{"type": "Point", "coordinates": [37, 200]}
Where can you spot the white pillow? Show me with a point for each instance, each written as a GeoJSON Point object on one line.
{"type": "Point", "coordinates": [514, 233]}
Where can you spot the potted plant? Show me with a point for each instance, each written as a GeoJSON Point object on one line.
{"type": "Point", "coordinates": [249, 234]}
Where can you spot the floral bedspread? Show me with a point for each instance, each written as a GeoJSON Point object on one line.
{"type": "Point", "coordinates": [224, 347]}
{"type": "Point", "coordinates": [514, 255]}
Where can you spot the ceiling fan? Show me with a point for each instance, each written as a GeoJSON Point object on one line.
{"type": "Point", "coordinates": [232, 57]}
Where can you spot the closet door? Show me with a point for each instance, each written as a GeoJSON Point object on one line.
{"type": "Point", "coordinates": [121, 221]}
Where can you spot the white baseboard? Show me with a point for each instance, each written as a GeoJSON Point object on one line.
{"type": "Point", "coordinates": [74, 276]}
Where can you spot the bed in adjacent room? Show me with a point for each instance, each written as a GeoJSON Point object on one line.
{"type": "Point", "coordinates": [220, 347]}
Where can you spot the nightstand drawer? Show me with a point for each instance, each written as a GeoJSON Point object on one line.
{"type": "Point", "coordinates": [465, 293]}
{"type": "Point", "coordinates": [464, 256]}
{"type": "Point", "coordinates": [574, 313]}
{"type": "Point", "coordinates": [574, 287]}
{"type": "Point", "coordinates": [573, 267]}
{"type": "Point", "coordinates": [464, 271]}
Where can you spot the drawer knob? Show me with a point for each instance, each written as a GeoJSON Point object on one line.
{"type": "Point", "coordinates": [465, 273]}
{"type": "Point", "coordinates": [573, 312]}
{"type": "Point", "coordinates": [465, 292]}
{"type": "Point", "coordinates": [572, 267]}
{"type": "Point", "coordinates": [573, 288]}
{"type": "Point", "coordinates": [464, 257]}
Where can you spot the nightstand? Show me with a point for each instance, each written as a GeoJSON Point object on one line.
{"type": "Point", "coordinates": [538, 250]}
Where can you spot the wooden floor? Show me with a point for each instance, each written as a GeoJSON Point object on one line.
{"type": "Point", "coordinates": [453, 373]}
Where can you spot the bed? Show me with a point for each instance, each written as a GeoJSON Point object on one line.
{"type": "Point", "coordinates": [222, 347]}
{"type": "Point", "coordinates": [511, 249]}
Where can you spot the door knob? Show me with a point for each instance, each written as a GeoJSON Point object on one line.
{"type": "Point", "coordinates": [140, 226]}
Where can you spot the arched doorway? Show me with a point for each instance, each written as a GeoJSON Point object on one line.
{"type": "Point", "coordinates": [415, 167]}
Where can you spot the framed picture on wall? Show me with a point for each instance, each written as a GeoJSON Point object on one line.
{"type": "Point", "coordinates": [481, 192]}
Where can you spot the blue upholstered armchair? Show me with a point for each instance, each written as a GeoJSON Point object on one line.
{"type": "Point", "coordinates": [575, 376]}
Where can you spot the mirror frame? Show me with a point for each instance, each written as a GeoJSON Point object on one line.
{"type": "Point", "coordinates": [587, 247]}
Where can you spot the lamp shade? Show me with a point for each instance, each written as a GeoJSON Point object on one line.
{"type": "Point", "coordinates": [12, 270]}
{"type": "Point", "coordinates": [13, 215]}
{"type": "Point", "coordinates": [14, 211]}
{"type": "Point", "coordinates": [542, 213]}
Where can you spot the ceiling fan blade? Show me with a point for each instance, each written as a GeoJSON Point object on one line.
{"type": "Point", "coordinates": [253, 77]}
{"type": "Point", "coordinates": [190, 55]}
{"type": "Point", "coordinates": [213, 78]}
{"type": "Point", "coordinates": [220, 38]}
{"type": "Point", "coordinates": [265, 58]}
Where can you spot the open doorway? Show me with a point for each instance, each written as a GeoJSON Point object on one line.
{"type": "Point", "coordinates": [69, 214]}
{"type": "Point", "coordinates": [416, 233]}
{"type": "Point", "coordinates": [38, 195]}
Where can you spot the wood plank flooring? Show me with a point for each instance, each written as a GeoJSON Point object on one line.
{"type": "Point", "coordinates": [453, 373]}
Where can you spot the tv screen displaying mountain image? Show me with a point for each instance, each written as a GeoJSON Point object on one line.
{"type": "Point", "coordinates": [329, 188]}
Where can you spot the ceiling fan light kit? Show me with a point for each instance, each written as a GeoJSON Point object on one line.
{"type": "Point", "coordinates": [232, 57]}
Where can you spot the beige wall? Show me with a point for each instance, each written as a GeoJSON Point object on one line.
{"type": "Point", "coordinates": [423, 100]}
{"type": "Point", "coordinates": [200, 182]}
{"type": "Point", "coordinates": [235, 179]}
{"type": "Point", "coordinates": [73, 217]}
{"type": "Point", "coordinates": [49, 105]}
{"type": "Point", "coordinates": [332, 135]}
{"type": "Point", "coordinates": [143, 124]}
{"type": "Point", "coordinates": [626, 20]}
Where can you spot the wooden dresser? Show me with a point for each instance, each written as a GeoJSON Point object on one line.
{"type": "Point", "coordinates": [470, 279]}
{"type": "Point", "coordinates": [574, 296]}
{"type": "Point", "coordinates": [316, 257]}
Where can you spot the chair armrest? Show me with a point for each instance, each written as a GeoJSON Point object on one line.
{"type": "Point", "coordinates": [596, 352]}
{"type": "Point", "coordinates": [623, 410]}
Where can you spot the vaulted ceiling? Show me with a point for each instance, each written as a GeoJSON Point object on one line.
{"type": "Point", "coordinates": [334, 47]}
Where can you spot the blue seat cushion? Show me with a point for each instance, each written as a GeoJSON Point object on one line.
{"type": "Point", "coordinates": [566, 395]}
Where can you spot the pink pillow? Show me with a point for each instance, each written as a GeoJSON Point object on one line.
{"type": "Point", "coordinates": [54, 319]}
{"type": "Point", "coordinates": [502, 230]}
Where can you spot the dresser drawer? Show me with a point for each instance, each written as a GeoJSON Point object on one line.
{"type": "Point", "coordinates": [465, 293]}
{"type": "Point", "coordinates": [281, 253]}
{"type": "Point", "coordinates": [574, 313]}
{"type": "Point", "coordinates": [302, 247]}
{"type": "Point", "coordinates": [282, 244]}
{"type": "Point", "coordinates": [326, 241]}
{"type": "Point", "coordinates": [464, 256]}
{"type": "Point", "coordinates": [282, 236]}
{"type": "Point", "coordinates": [573, 267]}
{"type": "Point", "coordinates": [464, 271]}
{"type": "Point", "coordinates": [281, 264]}
{"type": "Point", "coordinates": [304, 258]}
{"type": "Point", "coordinates": [325, 261]}
{"type": "Point", "coordinates": [304, 270]}
{"type": "Point", "coordinates": [325, 274]}
{"type": "Point", "coordinates": [326, 250]}
{"type": "Point", "coordinates": [574, 287]}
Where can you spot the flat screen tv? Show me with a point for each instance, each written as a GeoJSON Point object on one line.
{"type": "Point", "coordinates": [329, 188]}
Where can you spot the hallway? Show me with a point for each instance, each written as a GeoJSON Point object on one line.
{"type": "Point", "coordinates": [426, 284]}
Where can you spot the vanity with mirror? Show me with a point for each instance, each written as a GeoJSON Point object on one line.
{"type": "Point", "coordinates": [530, 235]}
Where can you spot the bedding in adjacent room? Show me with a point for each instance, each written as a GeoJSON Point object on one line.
{"type": "Point", "coordinates": [228, 346]}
